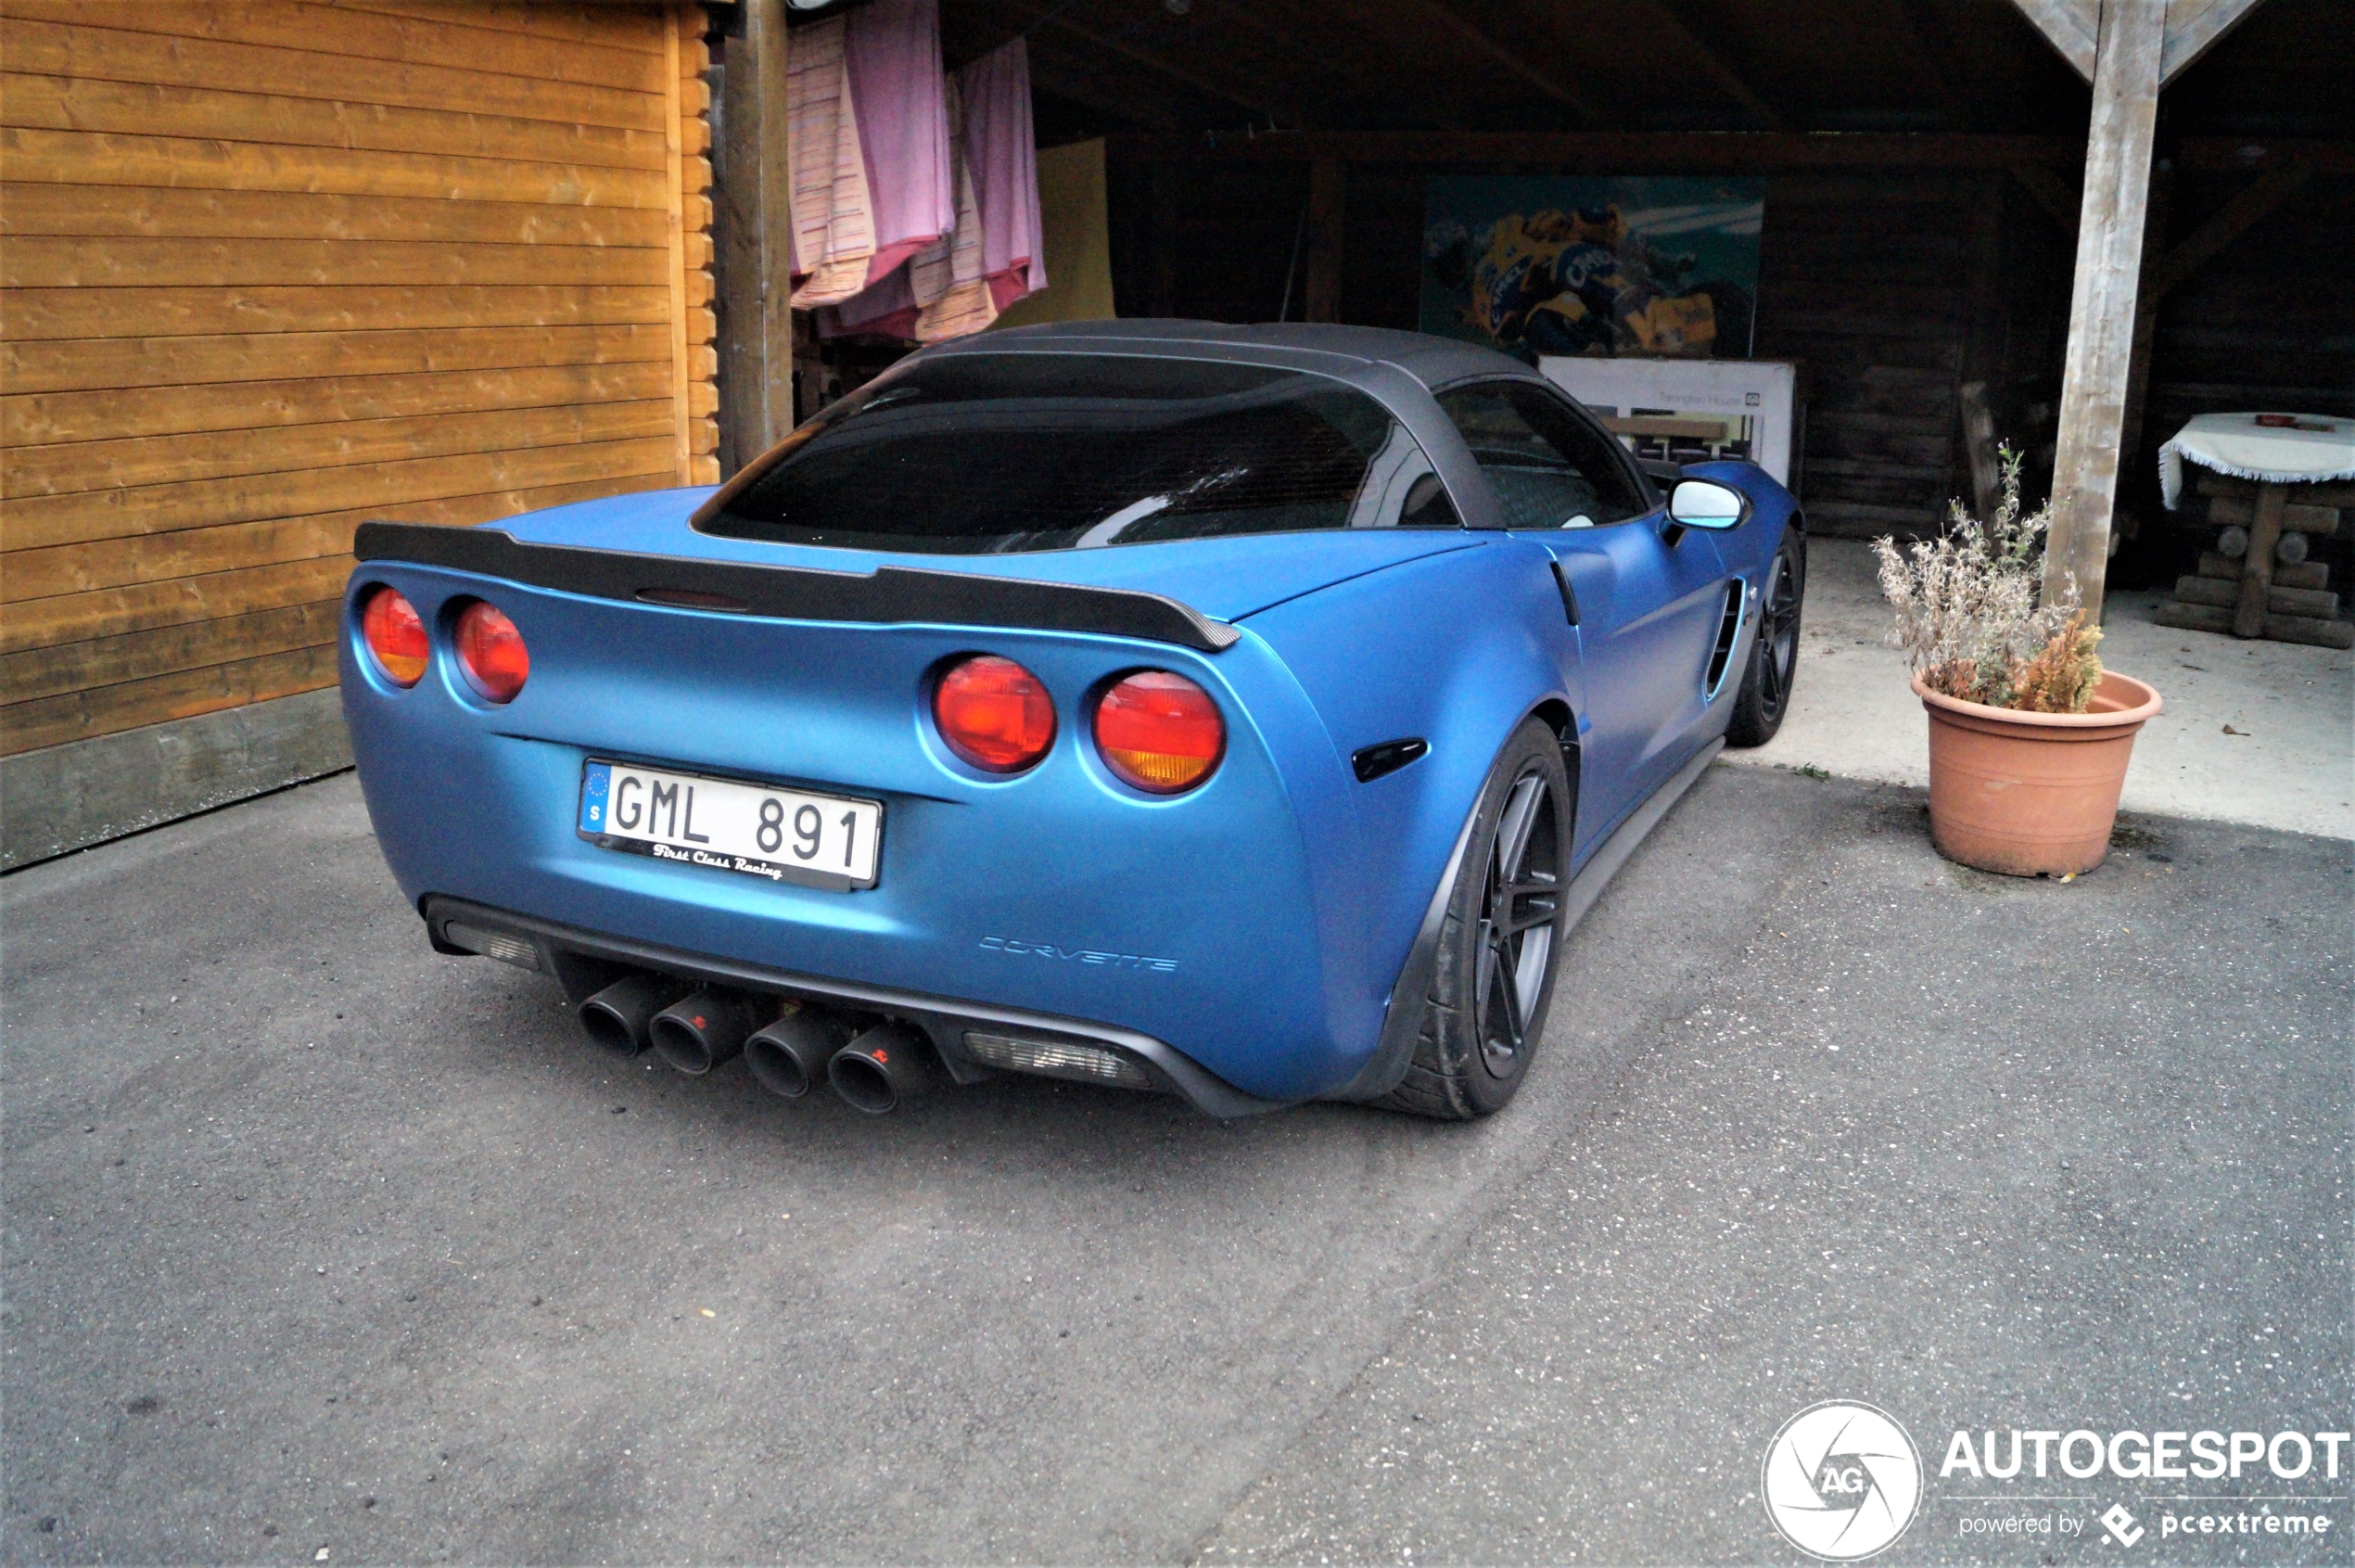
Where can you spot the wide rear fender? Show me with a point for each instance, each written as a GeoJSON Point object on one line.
{"type": "Point", "coordinates": [1453, 650]}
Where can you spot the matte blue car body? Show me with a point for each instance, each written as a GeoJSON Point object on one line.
{"type": "Point", "coordinates": [1285, 893]}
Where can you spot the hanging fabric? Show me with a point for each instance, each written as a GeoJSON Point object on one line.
{"type": "Point", "coordinates": [833, 233]}
{"type": "Point", "coordinates": [1002, 151]}
{"type": "Point", "coordinates": [892, 50]}
{"type": "Point", "coordinates": [948, 279]}
{"type": "Point", "coordinates": [941, 292]}
{"type": "Point", "coordinates": [888, 309]}
{"type": "Point", "coordinates": [993, 252]}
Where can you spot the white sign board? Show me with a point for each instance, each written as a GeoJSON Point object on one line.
{"type": "Point", "coordinates": [1688, 410]}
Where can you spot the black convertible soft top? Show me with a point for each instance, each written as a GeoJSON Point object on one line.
{"type": "Point", "coordinates": [1436, 361]}
{"type": "Point", "coordinates": [1401, 371]}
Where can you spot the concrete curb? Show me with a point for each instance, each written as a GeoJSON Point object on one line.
{"type": "Point", "coordinates": [66, 797]}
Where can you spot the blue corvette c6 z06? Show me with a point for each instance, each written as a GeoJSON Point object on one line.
{"type": "Point", "coordinates": [1243, 713]}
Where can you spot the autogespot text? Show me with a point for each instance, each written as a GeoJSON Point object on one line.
{"type": "Point", "coordinates": [2133, 1456]}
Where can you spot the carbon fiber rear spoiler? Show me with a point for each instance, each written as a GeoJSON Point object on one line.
{"type": "Point", "coordinates": [889, 595]}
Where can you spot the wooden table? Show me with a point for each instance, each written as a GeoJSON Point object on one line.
{"type": "Point", "coordinates": [2255, 595]}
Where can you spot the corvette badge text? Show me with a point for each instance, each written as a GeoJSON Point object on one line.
{"type": "Point", "coordinates": [1842, 1480]}
{"type": "Point", "coordinates": [1012, 948]}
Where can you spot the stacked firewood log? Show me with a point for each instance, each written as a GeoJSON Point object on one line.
{"type": "Point", "coordinates": [2263, 575]}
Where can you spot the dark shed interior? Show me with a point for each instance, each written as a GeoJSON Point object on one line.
{"type": "Point", "coordinates": [1924, 252]}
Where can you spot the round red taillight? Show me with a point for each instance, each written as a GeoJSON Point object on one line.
{"type": "Point", "coordinates": [396, 638]}
{"type": "Point", "coordinates": [491, 653]}
{"type": "Point", "coordinates": [995, 714]}
{"type": "Point", "coordinates": [1160, 733]}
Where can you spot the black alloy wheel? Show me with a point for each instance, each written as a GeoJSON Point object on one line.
{"type": "Point", "coordinates": [1493, 975]}
{"type": "Point", "coordinates": [1764, 697]}
{"type": "Point", "coordinates": [1519, 908]}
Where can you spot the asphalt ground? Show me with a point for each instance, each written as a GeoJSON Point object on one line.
{"type": "Point", "coordinates": [316, 1242]}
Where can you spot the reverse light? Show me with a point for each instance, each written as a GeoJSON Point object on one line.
{"type": "Point", "coordinates": [396, 638]}
{"type": "Point", "coordinates": [1056, 1059]}
{"type": "Point", "coordinates": [1160, 733]}
{"type": "Point", "coordinates": [491, 653]}
{"type": "Point", "coordinates": [994, 714]}
{"type": "Point", "coordinates": [505, 945]}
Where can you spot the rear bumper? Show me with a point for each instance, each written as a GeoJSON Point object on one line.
{"type": "Point", "coordinates": [1227, 920]}
{"type": "Point", "coordinates": [579, 957]}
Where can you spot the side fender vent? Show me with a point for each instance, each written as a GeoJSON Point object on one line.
{"type": "Point", "coordinates": [1569, 594]}
{"type": "Point", "coordinates": [1372, 763]}
{"type": "Point", "coordinates": [1729, 626]}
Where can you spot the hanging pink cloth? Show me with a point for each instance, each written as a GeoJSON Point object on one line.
{"type": "Point", "coordinates": [888, 310]}
{"type": "Point", "coordinates": [992, 255]}
{"type": "Point", "coordinates": [1001, 152]}
{"type": "Point", "coordinates": [892, 53]}
{"type": "Point", "coordinates": [947, 278]}
{"type": "Point", "coordinates": [941, 293]}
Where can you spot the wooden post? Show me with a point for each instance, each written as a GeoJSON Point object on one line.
{"type": "Point", "coordinates": [2256, 569]}
{"type": "Point", "coordinates": [2148, 293]}
{"type": "Point", "coordinates": [1327, 178]}
{"type": "Point", "coordinates": [756, 239]}
{"type": "Point", "coordinates": [2101, 323]}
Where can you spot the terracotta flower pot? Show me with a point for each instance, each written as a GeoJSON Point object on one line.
{"type": "Point", "coordinates": [2031, 794]}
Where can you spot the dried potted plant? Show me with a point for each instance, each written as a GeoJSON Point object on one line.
{"type": "Point", "coordinates": [2028, 735]}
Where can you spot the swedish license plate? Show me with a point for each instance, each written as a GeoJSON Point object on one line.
{"type": "Point", "coordinates": [760, 830]}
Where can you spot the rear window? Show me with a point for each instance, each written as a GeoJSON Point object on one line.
{"type": "Point", "coordinates": [979, 454]}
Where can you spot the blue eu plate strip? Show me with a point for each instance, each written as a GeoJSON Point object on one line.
{"type": "Point", "coordinates": [597, 783]}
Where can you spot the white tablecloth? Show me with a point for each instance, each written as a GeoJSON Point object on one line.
{"type": "Point", "coordinates": [2317, 449]}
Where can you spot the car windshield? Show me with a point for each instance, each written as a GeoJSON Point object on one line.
{"type": "Point", "coordinates": [985, 453]}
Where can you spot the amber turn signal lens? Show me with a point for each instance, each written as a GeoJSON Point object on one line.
{"type": "Point", "coordinates": [396, 638]}
{"type": "Point", "coordinates": [491, 653]}
{"type": "Point", "coordinates": [994, 714]}
{"type": "Point", "coordinates": [1160, 733]}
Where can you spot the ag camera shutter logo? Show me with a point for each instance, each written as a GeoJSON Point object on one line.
{"type": "Point", "coordinates": [1841, 1481]}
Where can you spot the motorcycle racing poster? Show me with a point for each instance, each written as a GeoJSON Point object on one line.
{"type": "Point", "coordinates": [1593, 265]}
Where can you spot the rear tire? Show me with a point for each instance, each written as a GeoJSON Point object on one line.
{"type": "Point", "coordinates": [1764, 696]}
{"type": "Point", "coordinates": [1501, 945]}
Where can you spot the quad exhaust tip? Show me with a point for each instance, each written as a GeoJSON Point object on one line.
{"type": "Point", "coordinates": [620, 1017]}
{"type": "Point", "coordinates": [700, 1031]}
{"type": "Point", "coordinates": [882, 1067]}
{"type": "Point", "coordinates": [789, 1057]}
{"type": "Point", "coordinates": [696, 1031]}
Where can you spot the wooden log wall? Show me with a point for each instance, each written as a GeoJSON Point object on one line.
{"type": "Point", "coordinates": [1891, 291]}
{"type": "Point", "coordinates": [1862, 281]}
{"type": "Point", "coordinates": [270, 268]}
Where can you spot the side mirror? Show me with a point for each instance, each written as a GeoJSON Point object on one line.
{"type": "Point", "coordinates": [1697, 504]}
